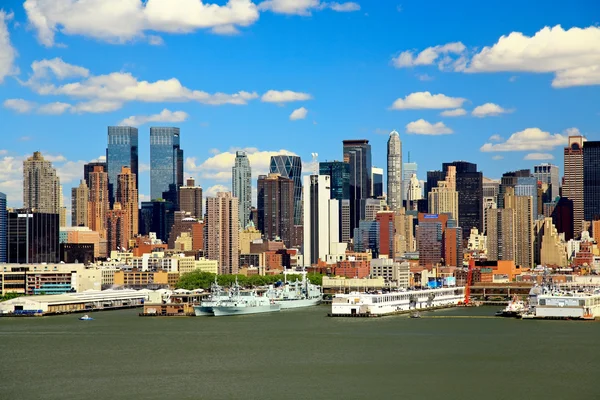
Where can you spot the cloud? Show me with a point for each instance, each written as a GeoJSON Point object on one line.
{"type": "Point", "coordinates": [489, 110]}
{"type": "Point", "coordinates": [422, 127]}
{"type": "Point", "coordinates": [498, 157]}
{"type": "Point", "coordinates": [164, 116]}
{"type": "Point", "coordinates": [57, 68]}
{"type": "Point", "coordinates": [530, 139]}
{"type": "Point", "coordinates": [7, 51]}
{"type": "Point", "coordinates": [96, 106]}
{"type": "Point", "coordinates": [513, 79]}
{"type": "Point", "coordinates": [572, 132]}
{"type": "Point", "coordinates": [424, 77]}
{"type": "Point", "coordinates": [19, 105]}
{"type": "Point", "coordinates": [299, 113]}
{"type": "Point", "coordinates": [285, 96]}
{"type": "Point", "coordinates": [213, 190]}
{"type": "Point", "coordinates": [55, 108]}
{"type": "Point", "coordinates": [154, 40]}
{"type": "Point", "coordinates": [538, 156]}
{"type": "Point", "coordinates": [425, 100]}
{"type": "Point", "coordinates": [496, 138]}
{"type": "Point", "coordinates": [121, 21]}
{"type": "Point", "coordinates": [428, 56]}
{"type": "Point", "coordinates": [305, 7]}
{"type": "Point", "coordinates": [457, 112]}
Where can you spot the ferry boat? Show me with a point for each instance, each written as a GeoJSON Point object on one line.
{"type": "Point", "coordinates": [297, 294]}
{"type": "Point", "coordinates": [515, 309]}
{"type": "Point", "coordinates": [356, 303]}
{"type": "Point", "coordinates": [217, 295]}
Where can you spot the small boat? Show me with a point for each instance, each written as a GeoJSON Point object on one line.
{"type": "Point", "coordinates": [86, 318]}
{"type": "Point", "coordinates": [415, 315]}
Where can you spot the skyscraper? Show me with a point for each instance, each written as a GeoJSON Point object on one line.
{"type": "Point", "coordinates": [509, 180]}
{"type": "Point", "coordinates": [190, 198]}
{"type": "Point", "coordinates": [122, 151]}
{"type": "Point", "coordinates": [166, 162]}
{"type": "Point", "coordinates": [275, 204]}
{"type": "Point", "coordinates": [408, 169]}
{"type": "Point", "coordinates": [242, 187]}
{"type": "Point", "coordinates": [413, 194]}
{"type": "Point", "coordinates": [591, 180]}
{"type": "Point", "coordinates": [98, 202]}
{"type": "Point", "coordinates": [222, 232]}
{"type": "Point", "coordinates": [89, 168]}
{"type": "Point", "coordinates": [523, 214]}
{"type": "Point", "coordinates": [443, 199]}
{"type": "Point", "coordinates": [33, 237]}
{"type": "Point", "coordinates": [357, 153]}
{"type": "Point", "coordinates": [376, 182]}
{"type": "Point", "coordinates": [80, 197]}
{"type": "Point", "coordinates": [321, 213]}
{"type": "Point", "coordinates": [127, 196]}
{"type": "Point", "coordinates": [118, 231]}
{"type": "Point", "coordinates": [394, 171]}
{"type": "Point", "coordinates": [290, 167]}
{"type": "Point", "coordinates": [157, 216]}
{"type": "Point", "coordinates": [339, 172]}
{"type": "Point", "coordinates": [469, 185]}
{"type": "Point", "coordinates": [548, 174]}
{"type": "Point", "coordinates": [3, 228]}
{"type": "Point", "coordinates": [573, 180]}
{"type": "Point", "coordinates": [430, 239]}
{"type": "Point", "coordinates": [41, 186]}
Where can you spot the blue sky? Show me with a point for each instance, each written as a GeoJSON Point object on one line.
{"type": "Point", "coordinates": [232, 74]}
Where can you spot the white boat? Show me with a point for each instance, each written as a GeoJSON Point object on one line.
{"type": "Point", "coordinates": [240, 303]}
{"type": "Point", "coordinates": [217, 295]}
{"type": "Point", "coordinates": [297, 294]}
{"type": "Point", "coordinates": [356, 303]}
{"type": "Point", "coordinates": [515, 308]}
{"type": "Point", "coordinates": [86, 318]}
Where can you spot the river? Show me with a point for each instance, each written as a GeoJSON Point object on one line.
{"type": "Point", "coordinates": [298, 354]}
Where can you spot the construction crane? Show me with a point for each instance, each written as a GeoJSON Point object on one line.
{"type": "Point", "coordinates": [469, 282]}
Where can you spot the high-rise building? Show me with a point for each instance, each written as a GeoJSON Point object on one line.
{"type": "Point", "coordinates": [366, 237]}
{"type": "Point", "coordinates": [509, 180]}
{"type": "Point", "coordinates": [157, 216]}
{"type": "Point", "coordinates": [491, 187]}
{"type": "Point", "coordinates": [591, 180]}
{"type": "Point", "coordinates": [394, 171]}
{"type": "Point", "coordinates": [523, 212]}
{"type": "Point", "coordinates": [275, 204]}
{"type": "Point", "coordinates": [386, 224]}
{"type": "Point", "coordinates": [41, 185]}
{"type": "Point", "coordinates": [377, 182]}
{"type": "Point", "coordinates": [242, 187]}
{"type": "Point", "coordinates": [453, 246]}
{"type": "Point", "coordinates": [469, 185]}
{"type": "Point", "coordinates": [345, 221]}
{"type": "Point", "coordinates": [548, 174]}
{"type": "Point", "coordinates": [573, 180]}
{"type": "Point", "coordinates": [414, 192]}
{"type": "Point", "coordinates": [118, 223]}
{"type": "Point", "coordinates": [33, 237]}
{"type": "Point", "coordinates": [373, 206]}
{"type": "Point", "coordinates": [190, 198]}
{"type": "Point", "coordinates": [433, 177]}
{"type": "Point", "coordinates": [98, 202]}
{"type": "Point", "coordinates": [501, 234]}
{"type": "Point", "coordinates": [339, 172]}
{"type": "Point", "coordinates": [80, 197]}
{"type": "Point", "coordinates": [357, 153]}
{"type": "Point", "coordinates": [443, 199]}
{"type": "Point", "coordinates": [127, 196]}
{"type": "Point", "coordinates": [320, 219]}
{"type": "Point", "coordinates": [430, 239]}
{"type": "Point", "coordinates": [89, 168]}
{"type": "Point", "coordinates": [3, 228]}
{"type": "Point", "coordinates": [408, 169]}
{"type": "Point", "coordinates": [527, 186]}
{"type": "Point", "coordinates": [166, 162]}
{"type": "Point", "coordinates": [122, 151]}
{"type": "Point", "coordinates": [222, 231]}
{"type": "Point", "coordinates": [290, 167]}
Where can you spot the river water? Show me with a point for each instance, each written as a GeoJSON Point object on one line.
{"type": "Point", "coordinates": [298, 354]}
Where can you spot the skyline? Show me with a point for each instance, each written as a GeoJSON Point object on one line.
{"type": "Point", "coordinates": [344, 77]}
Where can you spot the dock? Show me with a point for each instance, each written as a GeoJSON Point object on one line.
{"type": "Point", "coordinates": [402, 312]}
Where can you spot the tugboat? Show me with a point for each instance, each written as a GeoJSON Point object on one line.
{"type": "Point", "coordinates": [86, 318]}
{"type": "Point", "coordinates": [514, 309]}
{"type": "Point", "coordinates": [415, 314]}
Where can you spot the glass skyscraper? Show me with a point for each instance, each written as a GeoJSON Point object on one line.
{"type": "Point", "coordinates": [340, 178]}
{"type": "Point", "coordinates": [290, 167]}
{"type": "Point", "coordinates": [357, 153]}
{"type": "Point", "coordinates": [242, 186]}
{"type": "Point", "coordinates": [3, 228]}
{"type": "Point", "coordinates": [469, 185]}
{"type": "Point", "coordinates": [33, 237]}
{"type": "Point", "coordinates": [122, 151]}
{"type": "Point", "coordinates": [591, 180]}
{"type": "Point", "coordinates": [166, 162]}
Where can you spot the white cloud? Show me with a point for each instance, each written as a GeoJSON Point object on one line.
{"type": "Point", "coordinates": [572, 132]}
{"type": "Point", "coordinates": [424, 77]}
{"type": "Point", "coordinates": [428, 56]}
{"type": "Point", "coordinates": [496, 138]}
{"type": "Point", "coordinates": [498, 157]}
{"type": "Point", "coordinates": [285, 96]}
{"type": "Point", "coordinates": [425, 100]}
{"type": "Point", "coordinates": [213, 190]}
{"type": "Point", "coordinates": [305, 7]}
{"type": "Point", "coordinates": [457, 112]}
{"type": "Point", "coordinates": [164, 116]}
{"type": "Point", "coordinates": [538, 156]}
{"type": "Point", "coordinates": [299, 113]}
{"type": "Point", "coordinates": [96, 106]}
{"type": "Point", "coordinates": [154, 40]}
{"type": "Point", "coordinates": [7, 52]}
{"type": "Point", "coordinates": [19, 105]}
{"type": "Point", "coordinates": [55, 108]}
{"type": "Point", "coordinates": [489, 110]}
{"type": "Point", "coordinates": [57, 68]}
{"type": "Point", "coordinates": [530, 139]}
{"type": "Point", "coordinates": [422, 127]}
{"type": "Point", "coordinates": [120, 21]}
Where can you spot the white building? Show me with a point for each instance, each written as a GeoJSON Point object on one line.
{"type": "Point", "coordinates": [393, 272]}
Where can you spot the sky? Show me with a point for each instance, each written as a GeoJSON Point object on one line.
{"type": "Point", "coordinates": [498, 83]}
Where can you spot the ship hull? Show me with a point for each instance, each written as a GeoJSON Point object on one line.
{"type": "Point", "coordinates": [222, 311]}
{"type": "Point", "coordinates": [203, 311]}
{"type": "Point", "coordinates": [290, 304]}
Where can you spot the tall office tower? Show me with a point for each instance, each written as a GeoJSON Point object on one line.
{"type": "Point", "coordinates": [98, 202]}
{"type": "Point", "coordinates": [490, 187]}
{"type": "Point", "coordinates": [509, 180]}
{"type": "Point", "coordinates": [414, 193]}
{"type": "Point", "coordinates": [523, 211]}
{"type": "Point", "coordinates": [127, 196]}
{"type": "Point", "coordinates": [433, 177]}
{"type": "Point", "coordinates": [190, 198]}
{"type": "Point", "coordinates": [386, 224]}
{"type": "Point", "coordinates": [501, 234]}
{"type": "Point", "coordinates": [548, 174]}
{"type": "Point", "coordinates": [275, 204]}
{"type": "Point", "coordinates": [489, 203]}
{"type": "Point", "coordinates": [3, 228]}
{"type": "Point", "coordinates": [562, 217]}
{"type": "Point", "coordinates": [89, 168]}
{"type": "Point", "coordinates": [573, 180]}
{"type": "Point", "coordinates": [339, 172]}
{"type": "Point", "coordinates": [157, 216]}
{"type": "Point", "coordinates": [443, 199]}
{"type": "Point", "coordinates": [357, 153]}
{"type": "Point", "coordinates": [62, 210]}
{"type": "Point", "coordinates": [394, 171]}
{"type": "Point", "coordinates": [345, 221]}
{"type": "Point", "coordinates": [430, 236]}
{"type": "Point", "coordinates": [222, 230]}
{"type": "Point", "coordinates": [41, 186]}
{"type": "Point", "coordinates": [166, 162]}
{"type": "Point", "coordinates": [408, 169]}
{"type": "Point", "coordinates": [366, 237]}
{"type": "Point", "coordinates": [118, 233]}
{"type": "Point", "coordinates": [242, 187]}
{"type": "Point", "coordinates": [321, 225]}
{"type": "Point", "coordinates": [373, 206]}
{"type": "Point", "coordinates": [32, 237]}
{"type": "Point", "coordinates": [404, 238]}
{"type": "Point", "coordinates": [290, 167]}
{"type": "Point", "coordinates": [80, 196]}
{"type": "Point", "coordinates": [591, 180]}
{"type": "Point", "coordinates": [122, 151]}
{"type": "Point", "coordinates": [469, 185]}
{"type": "Point", "coordinates": [453, 246]}
{"type": "Point", "coordinates": [376, 182]}
{"type": "Point", "coordinates": [528, 187]}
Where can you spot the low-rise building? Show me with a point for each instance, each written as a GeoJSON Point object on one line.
{"type": "Point", "coordinates": [392, 271]}
{"type": "Point", "coordinates": [33, 279]}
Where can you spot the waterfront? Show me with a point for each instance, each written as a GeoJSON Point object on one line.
{"type": "Point", "coordinates": [298, 354]}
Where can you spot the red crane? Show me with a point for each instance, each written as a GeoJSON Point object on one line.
{"type": "Point", "coordinates": [469, 282]}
